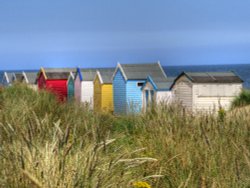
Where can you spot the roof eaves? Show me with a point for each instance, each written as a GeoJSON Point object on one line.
{"type": "Point", "coordinates": [123, 72]}
{"type": "Point", "coordinates": [149, 79]}
{"type": "Point", "coordinates": [98, 74]}
{"type": "Point", "coordinates": [237, 76]}
{"type": "Point", "coordinates": [13, 76]}
{"type": "Point", "coordinates": [119, 66]}
{"type": "Point", "coordinates": [163, 72]}
{"type": "Point", "coordinates": [42, 70]}
{"type": "Point", "coordinates": [152, 82]}
{"type": "Point", "coordinates": [80, 73]}
{"type": "Point", "coordinates": [25, 77]}
{"type": "Point", "coordinates": [164, 90]}
{"type": "Point", "coordinates": [71, 76]}
{"type": "Point", "coordinates": [6, 76]}
{"type": "Point", "coordinates": [187, 75]}
{"type": "Point", "coordinates": [177, 78]}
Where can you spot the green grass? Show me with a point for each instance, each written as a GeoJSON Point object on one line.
{"type": "Point", "coordinates": [45, 143]}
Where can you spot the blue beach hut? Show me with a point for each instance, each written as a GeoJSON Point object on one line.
{"type": "Point", "coordinates": [128, 80]}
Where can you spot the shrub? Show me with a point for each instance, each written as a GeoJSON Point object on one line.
{"type": "Point", "coordinates": [242, 100]}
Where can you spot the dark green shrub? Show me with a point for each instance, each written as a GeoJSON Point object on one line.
{"type": "Point", "coordinates": [242, 100]}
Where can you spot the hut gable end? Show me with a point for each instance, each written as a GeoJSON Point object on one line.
{"type": "Point", "coordinates": [77, 87]}
{"type": "Point", "coordinates": [183, 92]}
{"type": "Point", "coordinates": [119, 92]}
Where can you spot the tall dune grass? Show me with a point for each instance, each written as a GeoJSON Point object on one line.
{"type": "Point", "coordinates": [45, 143]}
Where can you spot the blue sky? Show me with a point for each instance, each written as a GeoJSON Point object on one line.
{"type": "Point", "coordinates": [94, 33]}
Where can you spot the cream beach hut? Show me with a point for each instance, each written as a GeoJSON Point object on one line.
{"type": "Point", "coordinates": [206, 91]}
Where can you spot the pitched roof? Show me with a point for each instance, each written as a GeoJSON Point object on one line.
{"type": "Point", "coordinates": [164, 84]}
{"type": "Point", "coordinates": [211, 77]}
{"type": "Point", "coordinates": [160, 82]}
{"type": "Point", "coordinates": [88, 74]}
{"type": "Point", "coordinates": [141, 71]}
{"type": "Point", "coordinates": [105, 75]}
{"type": "Point", "coordinates": [57, 75]}
{"type": "Point", "coordinates": [72, 76]}
{"type": "Point", "coordinates": [8, 76]}
{"type": "Point", "coordinates": [59, 69]}
{"type": "Point", "coordinates": [31, 77]}
{"type": "Point", "coordinates": [17, 77]}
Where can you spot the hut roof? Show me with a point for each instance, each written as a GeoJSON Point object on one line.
{"type": "Point", "coordinates": [106, 75]}
{"type": "Point", "coordinates": [211, 77]}
{"type": "Point", "coordinates": [71, 76]}
{"type": "Point", "coordinates": [17, 77]}
{"type": "Point", "coordinates": [164, 84]}
{"type": "Point", "coordinates": [142, 71]}
{"type": "Point", "coordinates": [57, 73]}
{"type": "Point", "coordinates": [8, 76]}
{"type": "Point", "coordinates": [31, 77]}
{"type": "Point", "coordinates": [161, 82]}
{"type": "Point", "coordinates": [59, 70]}
{"type": "Point", "coordinates": [88, 74]}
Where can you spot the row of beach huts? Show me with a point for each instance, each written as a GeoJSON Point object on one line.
{"type": "Point", "coordinates": [132, 88]}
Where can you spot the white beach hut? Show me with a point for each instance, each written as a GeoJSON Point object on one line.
{"type": "Point", "coordinates": [84, 85]}
{"type": "Point", "coordinates": [206, 91]}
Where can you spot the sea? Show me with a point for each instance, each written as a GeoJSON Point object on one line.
{"type": "Point", "coordinates": [242, 70]}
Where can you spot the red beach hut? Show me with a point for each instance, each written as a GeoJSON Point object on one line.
{"type": "Point", "coordinates": [54, 80]}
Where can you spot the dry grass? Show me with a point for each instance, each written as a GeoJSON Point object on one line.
{"type": "Point", "coordinates": [44, 143]}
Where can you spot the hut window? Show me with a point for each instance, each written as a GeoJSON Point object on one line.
{"type": "Point", "coordinates": [140, 84]}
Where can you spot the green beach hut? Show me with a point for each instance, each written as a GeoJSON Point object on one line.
{"type": "Point", "coordinates": [70, 86]}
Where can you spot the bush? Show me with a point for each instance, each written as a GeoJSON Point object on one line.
{"type": "Point", "coordinates": [242, 100]}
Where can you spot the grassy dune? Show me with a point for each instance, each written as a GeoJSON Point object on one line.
{"type": "Point", "coordinates": [44, 143]}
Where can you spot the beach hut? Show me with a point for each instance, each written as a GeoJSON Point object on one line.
{"type": "Point", "coordinates": [128, 80]}
{"type": "Point", "coordinates": [84, 85]}
{"type": "Point", "coordinates": [17, 77]}
{"type": "Point", "coordinates": [30, 78]}
{"type": "Point", "coordinates": [157, 91]}
{"type": "Point", "coordinates": [54, 80]}
{"type": "Point", "coordinates": [71, 86]}
{"type": "Point", "coordinates": [206, 91]}
{"type": "Point", "coordinates": [103, 90]}
{"type": "Point", "coordinates": [7, 79]}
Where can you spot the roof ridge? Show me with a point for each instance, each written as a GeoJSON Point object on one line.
{"type": "Point", "coordinates": [136, 64]}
